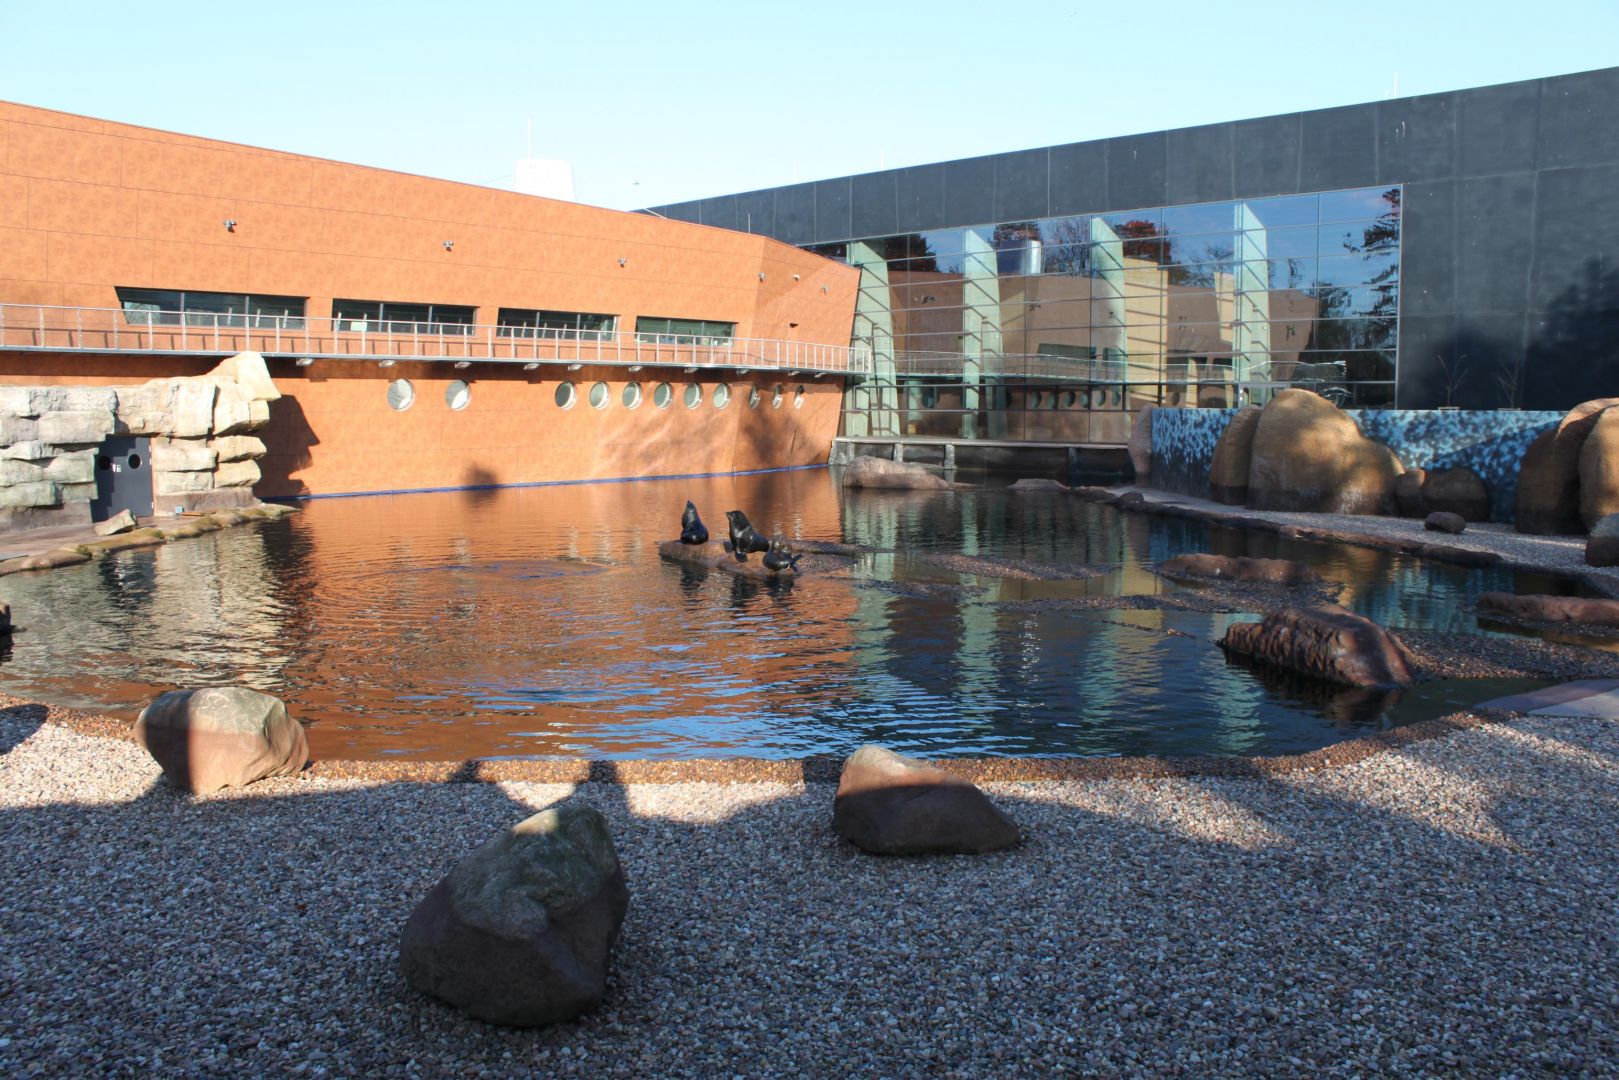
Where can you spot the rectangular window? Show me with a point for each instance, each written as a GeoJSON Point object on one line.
{"type": "Point", "coordinates": [683, 331]}
{"type": "Point", "coordinates": [527, 323]}
{"type": "Point", "coordinates": [387, 317]}
{"type": "Point", "coordinates": [172, 307]}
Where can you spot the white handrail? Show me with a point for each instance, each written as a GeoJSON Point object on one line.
{"type": "Point", "coordinates": [50, 328]}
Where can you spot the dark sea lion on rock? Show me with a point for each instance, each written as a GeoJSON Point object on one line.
{"type": "Point", "coordinates": [780, 557]}
{"type": "Point", "coordinates": [743, 538]}
{"type": "Point", "coordinates": [692, 529]}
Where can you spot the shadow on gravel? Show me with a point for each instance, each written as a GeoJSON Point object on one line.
{"type": "Point", "coordinates": [17, 723]}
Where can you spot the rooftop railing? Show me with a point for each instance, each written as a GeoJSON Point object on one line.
{"type": "Point", "coordinates": [38, 328]}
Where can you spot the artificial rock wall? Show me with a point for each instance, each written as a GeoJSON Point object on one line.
{"type": "Point", "coordinates": [202, 455]}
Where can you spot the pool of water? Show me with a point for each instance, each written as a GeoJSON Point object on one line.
{"type": "Point", "coordinates": [540, 622]}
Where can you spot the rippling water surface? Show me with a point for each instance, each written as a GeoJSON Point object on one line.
{"type": "Point", "coordinates": [540, 622]}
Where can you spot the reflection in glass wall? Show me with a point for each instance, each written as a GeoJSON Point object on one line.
{"type": "Point", "coordinates": [1059, 329]}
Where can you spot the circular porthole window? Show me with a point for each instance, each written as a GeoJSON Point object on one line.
{"type": "Point", "coordinates": [566, 395]}
{"type": "Point", "coordinates": [1069, 398]}
{"type": "Point", "coordinates": [775, 397]}
{"type": "Point", "coordinates": [134, 461]}
{"type": "Point", "coordinates": [1098, 398]}
{"type": "Point", "coordinates": [662, 394]}
{"type": "Point", "coordinates": [753, 397]}
{"type": "Point", "coordinates": [457, 395]}
{"type": "Point", "coordinates": [1118, 397]}
{"type": "Point", "coordinates": [722, 395]}
{"type": "Point", "coordinates": [693, 396]}
{"type": "Point", "coordinates": [401, 395]}
{"type": "Point", "coordinates": [798, 398]}
{"type": "Point", "coordinates": [631, 397]}
{"type": "Point", "coordinates": [598, 395]}
{"type": "Point", "coordinates": [1032, 400]}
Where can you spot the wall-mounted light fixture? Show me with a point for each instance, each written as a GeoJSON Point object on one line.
{"type": "Point", "coordinates": [818, 374]}
{"type": "Point", "coordinates": [449, 245]}
{"type": "Point", "coordinates": [305, 361]}
{"type": "Point", "coordinates": [793, 374]}
{"type": "Point", "coordinates": [622, 260]}
{"type": "Point", "coordinates": [575, 367]}
{"type": "Point", "coordinates": [530, 367]}
{"type": "Point", "coordinates": [634, 368]}
{"type": "Point", "coordinates": [691, 371]}
{"type": "Point", "coordinates": [462, 365]}
{"type": "Point", "coordinates": [761, 275]}
{"type": "Point", "coordinates": [797, 278]}
{"type": "Point", "coordinates": [823, 288]}
{"type": "Point", "coordinates": [385, 363]}
{"type": "Point", "coordinates": [230, 224]}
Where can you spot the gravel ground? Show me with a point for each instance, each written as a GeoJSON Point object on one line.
{"type": "Point", "coordinates": [1445, 906]}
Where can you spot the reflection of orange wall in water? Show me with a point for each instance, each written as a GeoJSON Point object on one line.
{"type": "Point", "coordinates": [364, 552]}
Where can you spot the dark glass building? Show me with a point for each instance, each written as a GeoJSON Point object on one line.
{"type": "Point", "coordinates": [1452, 249]}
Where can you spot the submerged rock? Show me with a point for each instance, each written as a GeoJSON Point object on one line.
{"type": "Point", "coordinates": [520, 931]}
{"type": "Point", "coordinates": [1551, 609]}
{"type": "Point", "coordinates": [870, 472]}
{"type": "Point", "coordinates": [1327, 642]}
{"type": "Point", "coordinates": [1038, 484]}
{"type": "Point", "coordinates": [889, 804]}
{"type": "Point", "coordinates": [1239, 568]}
{"type": "Point", "coordinates": [220, 736]}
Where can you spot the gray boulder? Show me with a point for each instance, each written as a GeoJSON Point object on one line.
{"type": "Point", "coordinates": [1444, 521]}
{"type": "Point", "coordinates": [221, 736]}
{"type": "Point", "coordinates": [889, 804]}
{"type": "Point", "coordinates": [519, 933]}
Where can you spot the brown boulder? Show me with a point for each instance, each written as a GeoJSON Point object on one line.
{"type": "Point", "coordinates": [1602, 547]}
{"type": "Point", "coordinates": [1408, 493]}
{"type": "Point", "coordinates": [1599, 469]}
{"type": "Point", "coordinates": [520, 931]}
{"type": "Point", "coordinates": [220, 736]}
{"type": "Point", "coordinates": [1309, 456]}
{"type": "Point", "coordinates": [1233, 456]}
{"type": "Point", "coordinates": [889, 804]}
{"type": "Point", "coordinates": [1445, 522]}
{"type": "Point", "coordinates": [870, 472]}
{"type": "Point", "coordinates": [1240, 568]}
{"type": "Point", "coordinates": [1551, 609]}
{"type": "Point", "coordinates": [1327, 642]}
{"type": "Point", "coordinates": [1549, 479]}
{"type": "Point", "coordinates": [1457, 491]}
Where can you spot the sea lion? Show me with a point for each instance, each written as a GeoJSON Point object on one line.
{"type": "Point", "coordinates": [692, 529]}
{"type": "Point", "coordinates": [781, 556]}
{"type": "Point", "coordinates": [743, 539]}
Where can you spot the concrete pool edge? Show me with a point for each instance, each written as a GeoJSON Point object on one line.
{"type": "Point", "coordinates": [744, 770]}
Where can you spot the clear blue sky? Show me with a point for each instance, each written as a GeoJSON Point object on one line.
{"type": "Point", "coordinates": [656, 103]}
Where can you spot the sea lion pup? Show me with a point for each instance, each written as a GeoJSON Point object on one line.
{"type": "Point", "coordinates": [781, 556]}
{"type": "Point", "coordinates": [743, 538]}
{"type": "Point", "coordinates": [692, 529]}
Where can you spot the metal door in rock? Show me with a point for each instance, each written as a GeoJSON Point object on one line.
{"type": "Point", "coordinates": [123, 478]}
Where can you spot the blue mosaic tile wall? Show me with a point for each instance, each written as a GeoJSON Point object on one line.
{"type": "Point", "coordinates": [1490, 442]}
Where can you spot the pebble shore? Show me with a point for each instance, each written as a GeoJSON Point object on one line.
{"type": "Point", "coordinates": [1441, 906]}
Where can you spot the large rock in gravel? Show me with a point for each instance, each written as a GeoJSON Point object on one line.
{"type": "Point", "coordinates": [221, 736]}
{"type": "Point", "coordinates": [889, 804]}
{"type": "Point", "coordinates": [1309, 456]}
{"type": "Point", "coordinates": [519, 933]}
{"type": "Point", "coordinates": [1599, 469]}
{"type": "Point", "coordinates": [1551, 609]}
{"type": "Point", "coordinates": [1549, 478]}
{"type": "Point", "coordinates": [1327, 642]}
{"type": "Point", "coordinates": [870, 472]}
{"type": "Point", "coordinates": [1239, 568]}
{"type": "Point", "coordinates": [1233, 457]}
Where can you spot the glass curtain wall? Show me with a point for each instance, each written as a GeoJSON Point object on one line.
{"type": "Point", "coordinates": [1059, 329]}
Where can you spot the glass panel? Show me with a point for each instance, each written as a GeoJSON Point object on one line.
{"type": "Point", "coordinates": [1359, 205]}
{"type": "Point", "coordinates": [1286, 210]}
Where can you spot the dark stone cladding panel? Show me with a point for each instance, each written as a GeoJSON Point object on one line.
{"type": "Point", "coordinates": [1496, 128]}
{"type": "Point", "coordinates": [873, 204]}
{"type": "Point", "coordinates": [1576, 240]}
{"type": "Point", "coordinates": [1078, 178]}
{"type": "Point", "coordinates": [1577, 120]}
{"type": "Point", "coordinates": [1494, 223]}
{"type": "Point", "coordinates": [832, 205]}
{"type": "Point", "coordinates": [1199, 164]}
{"type": "Point", "coordinates": [1339, 148]}
{"type": "Point", "coordinates": [1021, 180]}
{"type": "Point", "coordinates": [720, 211]}
{"type": "Point", "coordinates": [686, 211]}
{"type": "Point", "coordinates": [919, 196]}
{"type": "Point", "coordinates": [1267, 154]}
{"type": "Point", "coordinates": [756, 212]}
{"type": "Point", "coordinates": [795, 214]}
{"type": "Point", "coordinates": [1135, 171]}
{"type": "Point", "coordinates": [1416, 139]}
{"type": "Point", "coordinates": [1428, 249]}
{"type": "Point", "coordinates": [969, 192]}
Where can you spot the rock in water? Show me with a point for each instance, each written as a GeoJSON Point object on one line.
{"type": "Point", "coordinates": [1240, 568]}
{"type": "Point", "coordinates": [1233, 456]}
{"type": "Point", "coordinates": [221, 736]}
{"type": "Point", "coordinates": [122, 521]}
{"type": "Point", "coordinates": [1445, 522]}
{"type": "Point", "coordinates": [1309, 456]}
{"type": "Point", "coordinates": [1038, 484]}
{"type": "Point", "coordinates": [1549, 479]}
{"type": "Point", "coordinates": [1326, 642]}
{"type": "Point", "coordinates": [889, 804]}
{"type": "Point", "coordinates": [5, 618]}
{"type": "Point", "coordinates": [1599, 469]}
{"type": "Point", "coordinates": [1552, 609]}
{"type": "Point", "coordinates": [519, 933]}
{"type": "Point", "coordinates": [870, 472]}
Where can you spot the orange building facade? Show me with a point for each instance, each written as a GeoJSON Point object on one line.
{"type": "Point", "coordinates": [423, 333]}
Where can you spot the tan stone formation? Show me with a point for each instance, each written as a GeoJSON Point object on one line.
{"type": "Point", "coordinates": [1233, 457]}
{"type": "Point", "coordinates": [1239, 568]}
{"type": "Point", "coordinates": [1599, 469]}
{"type": "Point", "coordinates": [1551, 609]}
{"type": "Point", "coordinates": [520, 932]}
{"type": "Point", "coordinates": [871, 472]}
{"type": "Point", "coordinates": [1141, 446]}
{"type": "Point", "coordinates": [1549, 479]}
{"type": "Point", "coordinates": [889, 804]}
{"type": "Point", "coordinates": [1309, 456]}
{"type": "Point", "coordinates": [1326, 642]}
{"type": "Point", "coordinates": [221, 736]}
{"type": "Point", "coordinates": [121, 522]}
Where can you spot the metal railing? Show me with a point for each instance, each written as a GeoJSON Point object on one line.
{"type": "Point", "coordinates": [39, 328]}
